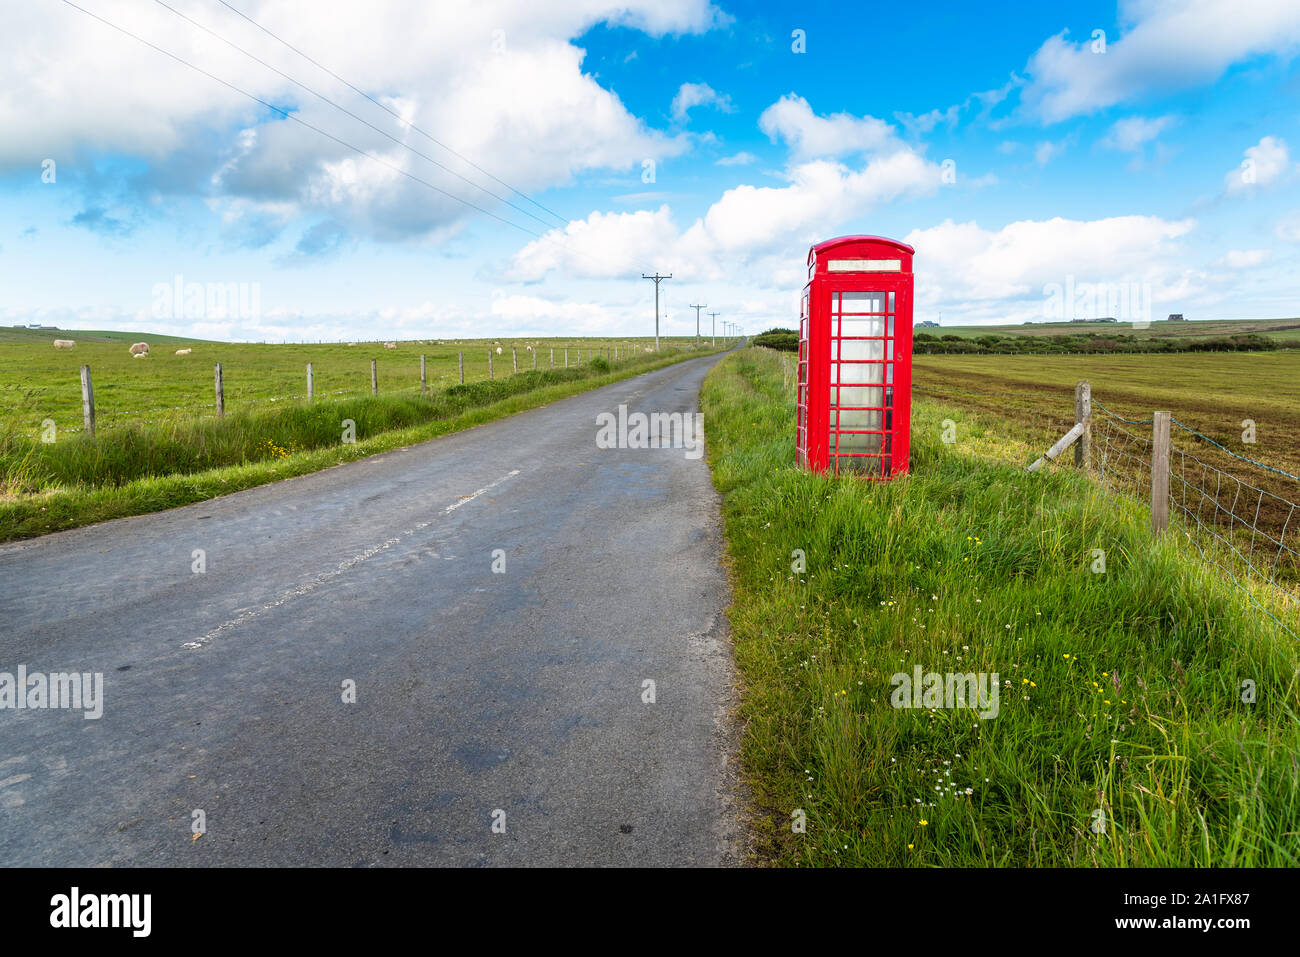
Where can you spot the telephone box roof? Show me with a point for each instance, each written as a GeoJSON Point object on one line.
{"type": "Point", "coordinates": [855, 240]}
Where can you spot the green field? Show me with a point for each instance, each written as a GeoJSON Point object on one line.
{"type": "Point", "coordinates": [1161, 329]}
{"type": "Point", "coordinates": [39, 382]}
{"type": "Point", "coordinates": [152, 457]}
{"type": "Point", "coordinates": [1122, 737]}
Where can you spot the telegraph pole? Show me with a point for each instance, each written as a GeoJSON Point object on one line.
{"type": "Point", "coordinates": [658, 279]}
{"type": "Point", "coordinates": [697, 322]}
{"type": "Point", "coordinates": [714, 317]}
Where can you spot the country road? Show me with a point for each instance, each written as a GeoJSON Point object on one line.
{"type": "Point", "coordinates": [477, 691]}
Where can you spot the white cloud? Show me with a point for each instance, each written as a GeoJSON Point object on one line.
{"type": "Point", "coordinates": [501, 82]}
{"type": "Point", "coordinates": [975, 274]}
{"type": "Point", "coordinates": [1266, 162]}
{"type": "Point", "coordinates": [918, 126]}
{"type": "Point", "coordinates": [759, 232]}
{"type": "Point", "coordinates": [1166, 45]}
{"type": "Point", "coordinates": [809, 136]}
{"type": "Point", "coordinates": [739, 159]}
{"type": "Point", "coordinates": [1047, 151]}
{"type": "Point", "coordinates": [691, 95]}
{"type": "Point", "coordinates": [1243, 258]}
{"type": "Point", "coordinates": [1132, 133]}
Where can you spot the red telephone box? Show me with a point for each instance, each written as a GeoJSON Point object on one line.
{"type": "Point", "coordinates": [855, 357]}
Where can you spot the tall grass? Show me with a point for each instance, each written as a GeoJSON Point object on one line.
{"type": "Point", "coordinates": [145, 467]}
{"type": "Point", "coordinates": [1122, 737]}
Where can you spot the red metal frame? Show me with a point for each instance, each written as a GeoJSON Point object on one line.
{"type": "Point", "coordinates": [855, 358]}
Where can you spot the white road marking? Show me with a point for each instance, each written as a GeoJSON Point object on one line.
{"type": "Point", "coordinates": [342, 568]}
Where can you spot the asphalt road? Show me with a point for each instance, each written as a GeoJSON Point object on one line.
{"type": "Point", "coordinates": [476, 692]}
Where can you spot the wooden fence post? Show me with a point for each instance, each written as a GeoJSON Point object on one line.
{"type": "Point", "coordinates": [1083, 413]}
{"type": "Point", "coordinates": [566, 358]}
{"type": "Point", "coordinates": [424, 381]}
{"type": "Point", "coordinates": [221, 392]}
{"type": "Point", "coordinates": [374, 377]}
{"type": "Point", "coordinates": [514, 357]}
{"type": "Point", "coordinates": [87, 400]}
{"type": "Point", "coordinates": [1160, 472]}
{"type": "Point", "coordinates": [311, 384]}
{"type": "Point", "coordinates": [534, 358]}
{"type": "Point", "coordinates": [489, 363]}
{"type": "Point", "coordinates": [552, 357]}
{"type": "Point", "coordinates": [460, 362]}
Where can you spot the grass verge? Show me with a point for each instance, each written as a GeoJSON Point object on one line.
{"type": "Point", "coordinates": [1123, 735]}
{"type": "Point", "coordinates": [146, 468]}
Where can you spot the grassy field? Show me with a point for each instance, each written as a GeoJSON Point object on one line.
{"type": "Point", "coordinates": [39, 382]}
{"type": "Point", "coordinates": [1160, 329]}
{"type": "Point", "coordinates": [143, 466]}
{"type": "Point", "coordinates": [1212, 393]}
{"type": "Point", "coordinates": [1121, 736]}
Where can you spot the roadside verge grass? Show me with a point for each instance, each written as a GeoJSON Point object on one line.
{"type": "Point", "coordinates": [1146, 715]}
{"type": "Point", "coordinates": [136, 469]}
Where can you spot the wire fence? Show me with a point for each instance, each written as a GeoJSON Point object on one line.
{"type": "Point", "coordinates": [1240, 514]}
{"type": "Point", "coordinates": [443, 370]}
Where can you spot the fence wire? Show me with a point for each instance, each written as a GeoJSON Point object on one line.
{"type": "Point", "coordinates": [1247, 524]}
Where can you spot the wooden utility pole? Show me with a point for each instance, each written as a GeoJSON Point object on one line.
{"type": "Point", "coordinates": [697, 322]}
{"type": "Point", "coordinates": [714, 316]}
{"type": "Point", "coordinates": [657, 280]}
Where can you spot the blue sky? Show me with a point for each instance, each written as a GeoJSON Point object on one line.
{"type": "Point", "coordinates": [1015, 149]}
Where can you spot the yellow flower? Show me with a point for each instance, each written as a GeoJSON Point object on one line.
{"type": "Point", "coordinates": [924, 822]}
{"type": "Point", "coordinates": [910, 846]}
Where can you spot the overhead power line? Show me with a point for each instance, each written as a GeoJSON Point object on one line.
{"type": "Point", "coordinates": [316, 129]}
{"type": "Point", "coordinates": [391, 112]}
{"type": "Point", "coordinates": [344, 109]}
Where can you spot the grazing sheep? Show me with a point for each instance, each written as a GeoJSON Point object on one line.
{"type": "Point", "coordinates": [64, 343]}
{"type": "Point", "coordinates": [390, 345]}
{"type": "Point", "coordinates": [140, 349]}
{"type": "Point", "coordinates": [498, 350]}
{"type": "Point", "coordinates": [184, 352]}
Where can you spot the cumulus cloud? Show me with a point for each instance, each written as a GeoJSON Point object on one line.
{"type": "Point", "coordinates": [1001, 275]}
{"type": "Point", "coordinates": [691, 95]}
{"type": "Point", "coordinates": [1166, 45]}
{"type": "Point", "coordinates": [500, 82]}
{"type": "Point", "coordinates": [809, 136]}
{"type": "Point", "coordinates": [748, 230]}
{"type": "Point", "coordinates": [738, 159]}
{"type": "Point", "coordinates": [1132, 133]}
{"type": "Point", "coordinates": [1243, 258]}
{"type": "Point", "coordinates": [1266, 163]}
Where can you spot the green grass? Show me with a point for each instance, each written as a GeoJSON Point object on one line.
{"type": "Point", "coordinates": [39, 382]}
{"type": "Point", "coordinates": [141, 468]}
{"type": "Point", "coordinates": [1122, 690]}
